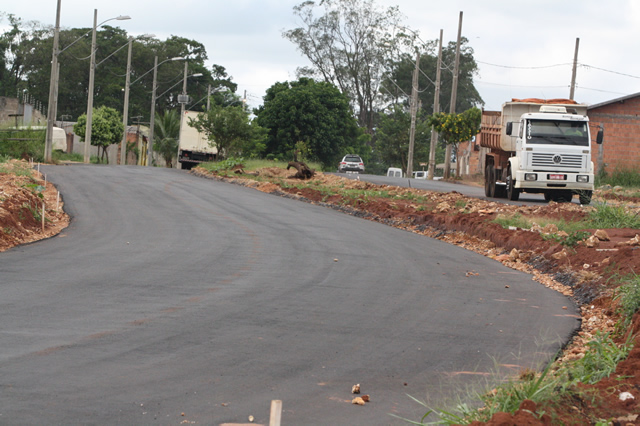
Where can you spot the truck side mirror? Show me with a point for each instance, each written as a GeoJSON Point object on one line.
{"type": "Point", "coordinates": [600, 137]}
{"type": "Point", "coordinates": [509, 128]}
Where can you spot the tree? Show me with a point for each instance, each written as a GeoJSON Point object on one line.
{"type": "Point", "coordinates": [315, 113]}
{"type": "Point", "coordinates": [106, 129]}
{"type": "Point", "coordinates": [229, 130]}
{"type": "Point", "coordinates": [166, 133]}
{"type": "Point", "coordinates": [456, 128]}
{"type": "Point", "coordinates": [392, 140]}
{"type": "Point", "coordinates": [398, 85]}
{"type": "Point", "coordinates": [348, 46]}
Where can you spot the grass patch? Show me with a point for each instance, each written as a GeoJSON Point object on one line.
{"type": "Point", "coordinates": [607, 216]}
{"type": "Point", "coordinates": [628, 297]}
{"type": "Point", "coordinates": [626, 178]}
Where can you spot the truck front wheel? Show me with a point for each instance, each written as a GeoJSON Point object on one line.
{"type": "Point", "coordinates": [513, 193]}
{"type": "Point", "coordinates": [585, 196]}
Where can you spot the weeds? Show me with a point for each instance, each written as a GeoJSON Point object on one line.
{"type": "Point", "coordinates": [628, 296]}
{"type": "Point", "coordinates": [600, 360]}
{"type": "Point", "coordinates": [568, 241]}
{"type": "Point", "coordinates": [607, 216]}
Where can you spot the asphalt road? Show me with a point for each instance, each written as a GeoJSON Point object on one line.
{"type": "Point", "coordinates": [172, 298]}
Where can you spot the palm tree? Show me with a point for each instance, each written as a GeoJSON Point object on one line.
{"type": "Point", "coordinates": [166, 130]}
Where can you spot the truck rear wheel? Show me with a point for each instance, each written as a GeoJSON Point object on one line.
{"type": "Point", "coordinates": [513, 193]}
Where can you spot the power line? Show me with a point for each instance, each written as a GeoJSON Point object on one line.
{"type": "Point", "coordinates": [524, 68]}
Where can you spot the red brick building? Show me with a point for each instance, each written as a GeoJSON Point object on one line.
{"type": "Point", "coordinates": [621, 121]}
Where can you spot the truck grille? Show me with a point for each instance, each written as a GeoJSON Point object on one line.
{"type": "Point", "coordinates": [555, 160]}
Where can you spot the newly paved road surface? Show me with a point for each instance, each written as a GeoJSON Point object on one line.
{"type": "Point", "coordinates": [172, 298]}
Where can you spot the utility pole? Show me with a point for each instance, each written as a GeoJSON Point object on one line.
{"type": "Point", "coordinates": [414, 112]}
{"type": "Point", "coordinates": [436, 109]}
{"type": "Point", "coordinates": [454, 90]}
{"type": "Point", "coordinates": [572, 92]}
{"type": "Point", "coordinates": [125, 112]}
{"type": "Point", "coordinates": [51, 110]}
{"type": "Point", "coordinates": [183, 102]}
{"type": "Point", "coordinates": [153, 113]}
{"type": "Point", "coordinates": [92, 73]}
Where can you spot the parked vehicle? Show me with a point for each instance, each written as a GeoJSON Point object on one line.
{"type": "Point", "coordinates": [193, 146]}
{"type": "Point", "coordinates": [394, 172]}
{"type": "Point", "coordinates": [351, 163]}
{"type": "Point", "coordinates": [420, 174]}
{"type": "Point", "coordinates": [549, 152]}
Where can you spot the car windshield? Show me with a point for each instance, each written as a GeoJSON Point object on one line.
{"type": "Point", "coordinates": [353, 159]}
{"type": "Point", "coordinates": [557, 132]}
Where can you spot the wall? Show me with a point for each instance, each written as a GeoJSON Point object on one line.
{"type": "Point", "coordinates": [621, 121]}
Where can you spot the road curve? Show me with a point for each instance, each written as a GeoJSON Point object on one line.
{"type": "Point", "coordinates": [173, 298]}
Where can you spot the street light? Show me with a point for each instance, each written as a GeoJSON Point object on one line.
{"type": "Point", "coordinates": [92, 70]}
{"type": "Point", "coordinates": [153, 103]}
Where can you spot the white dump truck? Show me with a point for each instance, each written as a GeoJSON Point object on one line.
{"type": "Point", "coordinates": [194, 146]}
{"type": "Point", "coordinates": [539, 147]}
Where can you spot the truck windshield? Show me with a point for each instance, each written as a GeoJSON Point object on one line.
{"type": "Point", "coordinates": [557, 132]}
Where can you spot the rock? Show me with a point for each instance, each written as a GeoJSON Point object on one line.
{"type": "Point", "coordinates": [355, 388]}
{"type": "Point", "coordinates": [602, 235]}
{"type": "Point", "coordinates": [358, 401]}
{"type": "Point", "coordinates": [560, 255]}
{"type": "Point", "coordinates": [562, 234]}
{"type": "Point", "coordinates": [592, 242]}
{"type": "Point", "coordinates": [626, 395]}
{"type": "Point", "coordinates": [550, 229]}
{"type": "Point", "coordinates": [514, 255]}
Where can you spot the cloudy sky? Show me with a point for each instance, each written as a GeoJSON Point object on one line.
{"type": "Point", "coordinates": [523, 49]}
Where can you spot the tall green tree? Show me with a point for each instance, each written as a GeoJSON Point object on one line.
{"type": "Point", "coordinates": [348, 46]}
{"type": "Point", "coordinates": [315, 113]}
{"type": "Point", "coordinates": [398, 85]}
{"type": "Point", "coordinates": [166, 133]}
{"type": "Point", "coordinates": [392, 141]}
{"type": "Point", "coordinates": [106, 129]}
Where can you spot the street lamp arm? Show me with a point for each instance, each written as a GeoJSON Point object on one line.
{"type": "Point", "coordinates": [122, 47]}
{"type": "Point", "coordinates": [177, 58]}
{"type": "Point", "coordinates": [119, 18]}
{"type": "Point", "coordinates": [178, 82]}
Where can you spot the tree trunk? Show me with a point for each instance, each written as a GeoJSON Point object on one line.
{"type": "Point", "coordinates": [304, 172]}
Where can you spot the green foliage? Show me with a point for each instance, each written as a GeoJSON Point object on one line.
{"type": "Point", "coordinates": [22, 143]}
{"type": "Point", "coordinates": [392, 138]}
{"type": "Point", "coordinates": [601, 358]}
{"type": "Point", "coordinates": [608, 216]}
{"type": "Point", "coordinates": [568, 241]}
{"type": "Point", "coordinates": [456, 128]}
{"type": "Point", "coordinates": [166, 133]}
{"type": "Point", "coordinates": [401, 74]}
{"type": "Point", "coordinates": [106, 128]}
{"type": "Point", "coordinates": [349, 46]}
{"type": "Point", "coordinates": [620, 177]}
{"type": "Point", "coordinates": [230, 131]}
{"type": "Point", "coordinates": [315, 113]}
{"type": "Point", "coordinates": [628, 296]}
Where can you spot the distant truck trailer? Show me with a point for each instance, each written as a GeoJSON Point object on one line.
{"type": "Point", "coordinates": [193, 146]}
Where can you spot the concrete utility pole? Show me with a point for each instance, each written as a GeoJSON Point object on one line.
{"type": "Point", "coordinates": [572, 92]}
{"type": "Point", "coordinates": [183, 103]}
{"type": "Point", "coordinates": [436, 109]}
{"type": "Point", "coordinates": [414, 112]}
{"type": "Point", "coordinates": [153, 113]}
{"type": "Point", "coordinates": [125, 112]}
{"type": "Point", "coordinates": [92, 75]}
{"type": "Point", "coordinates": [454, 91]}
{"type": "Point", "coordinates": [51, 110]}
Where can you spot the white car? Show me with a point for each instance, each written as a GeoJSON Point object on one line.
{"type": "Point", "coordinates": [351, 163]}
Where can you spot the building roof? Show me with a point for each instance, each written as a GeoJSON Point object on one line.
{"type": "Point", "coordinates": [613, 101]}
